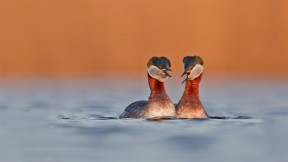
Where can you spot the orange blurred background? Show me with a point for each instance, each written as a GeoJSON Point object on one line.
{"type": "Point", "coordinates": [91, 37]}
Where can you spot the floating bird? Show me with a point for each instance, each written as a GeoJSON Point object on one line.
{"type": "Point", "coordinates": [190, 105]}
{"type": "Point", "coordinates": [159, 104]}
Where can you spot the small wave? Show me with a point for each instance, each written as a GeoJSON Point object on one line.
{"type": "Point", "coordinates": [225, 117]}
{"type": "Point", "coordinates": [101, 117]}
{"type": "Point", "coordinates": [89, 117]}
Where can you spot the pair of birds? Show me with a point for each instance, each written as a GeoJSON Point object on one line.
{"type": "Point", "coordinates": [159, 105]}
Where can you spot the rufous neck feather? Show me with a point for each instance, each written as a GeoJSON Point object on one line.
{"type": "Point", "coordinates": [192, 87]}
{"type": "Point", "coordinates": [156, 86]}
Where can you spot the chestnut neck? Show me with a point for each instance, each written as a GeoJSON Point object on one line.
{"type": "Point", "coordinates": [156, 87]}
{"type": "Point", "coordinates": [192, 88]}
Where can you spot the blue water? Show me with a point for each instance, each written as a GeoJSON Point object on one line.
{"type": "Point", "coordinates": [76, 121]}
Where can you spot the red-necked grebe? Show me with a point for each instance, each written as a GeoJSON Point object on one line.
{"type": "Point", "coordinates": [190, 105]}
{"type": "Point", "coordinates": [159, 104]}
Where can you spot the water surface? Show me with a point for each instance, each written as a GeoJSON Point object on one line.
{"type": "Point", "coordinates": [77, 121]}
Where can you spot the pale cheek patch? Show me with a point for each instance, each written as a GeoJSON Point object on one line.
{"type": "Point", "coordinates": [196, 72]}
{"type": "Point", "coordinates": [156, 73]}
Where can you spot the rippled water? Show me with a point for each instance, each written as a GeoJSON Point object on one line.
{"type": "Point", "coordinates": [76, 121]}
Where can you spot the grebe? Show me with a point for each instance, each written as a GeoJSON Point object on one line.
{"type": "Point", "coordinates": [159, 104]}
{"type": "Point", "coordinates": [190, 105]}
